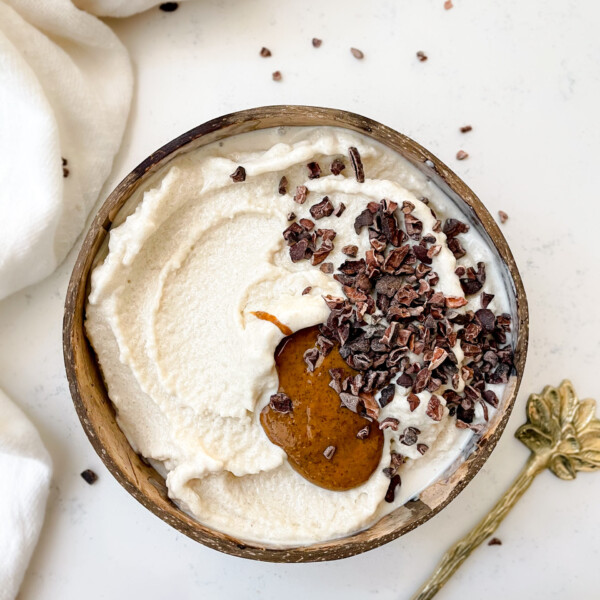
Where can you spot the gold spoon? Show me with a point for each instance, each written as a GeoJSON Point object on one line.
{"type": "Point", "coordinates": [563, 436]}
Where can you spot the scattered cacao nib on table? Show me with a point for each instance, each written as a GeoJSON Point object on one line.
{"type": "Point", "coordinates": [466, 128]}
{"type": "Point", "coordinates": [316, 42]}
{"type": "Point", "coordinates": [448, 4]}
{"type": "Point", "coordinates": [89, 476]}
{"type": "Point", "coordinates": [503, 216]}
{"type": "Point", "coordinates": [495, 542]}
{"type": "Point", "coordinates": [422, 56]}
{"type": "Point", "coordinates": [358, 54]}
{"type": "Point", "coordinates": [277, 76]}
{"type": "Point", "coordinates": [461, 155]}
{"type": "Point", "coordinates": [265, 52]}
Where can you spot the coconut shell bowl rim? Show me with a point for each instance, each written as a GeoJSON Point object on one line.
{"type": "Point", "coordinates": [97, 414]}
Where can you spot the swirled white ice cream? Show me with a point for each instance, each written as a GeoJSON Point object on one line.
{"type": "Point", "coordinates": [189, 368]}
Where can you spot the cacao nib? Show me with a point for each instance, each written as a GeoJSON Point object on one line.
{"type": "Point", "coordinates": [329, 452]}
{"type": "Point", "coordinates": [339, 211]}
{"type": "Point", "coordinates": [409, 436]}
{"type": "Point", "coordinates": [301, 193]}
{"type": "Point", "coordinates": [314, 170]}
{"type": "Point", "coordinates": [239, 175]}
{"type": "Point", "coordinates": [283, 185]}
{"type": "Point", "coordinates": [363, 433]}
{"type": "Point", "coordinates": [281, 403]}
{"type": "Point", "coordinates": [389, 423]}
{"type": "Point", "coordinates": [435, 409]}
{"type": "Point", "coordinates": [364, 219]}
{"type": "Point", "coordinates": [357, 165]}
{"type": "Point", "coordinates": [413, 402]}
{"type": "Point", "coordinates": [454, 227]}
{"type": "Point", "coordinates": [298, 250]}
{"type": "Point", "coordinates": [391, 491]}
{"type": "Point", "coordinates": [337, 166]}
{"type": "Point", "coordinates": [321, 209]}
{"type": "Point", "coordinates": [387, 395]}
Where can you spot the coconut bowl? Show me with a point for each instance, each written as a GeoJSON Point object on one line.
{"type": "Point", "coordinates": [97, 414]}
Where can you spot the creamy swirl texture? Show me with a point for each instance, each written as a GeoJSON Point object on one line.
{"type": "Point", "coordinates": [189, 367]}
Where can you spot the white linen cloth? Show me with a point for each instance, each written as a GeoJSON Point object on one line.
{"type": "Point", "coordinates": [25, 471]}
{"type": "Point", "coordinates": [65, 91]}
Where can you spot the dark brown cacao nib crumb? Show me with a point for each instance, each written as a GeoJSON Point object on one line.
{"type": "Point", "coordinates": [306, 290]}
{"type": "Point", "coordinates": [291, 216]}
{"type": "Point", "coordinates": [391, 491]}
{"type": "Point", "coordinates": [337, 166]}
{"type": "Point", "coordinates": [265, 52]}
{"type": "Point", "coordinates": [359, 54]}
{"type": "Point", "coordinates": [307, 224]}
{"type": "Point", "coordinates": [239, 174]}
{"type": "Point", "coordinates": [486, 299]}
{"type": "Point", "coordinates": [495, 542]}
{"type": "Point", "coordinates": [281, 403]}
{"type": "Point", "coordinates": [316, 42]}
{"type": "Point", "coordinates": [314, 170]}
{"type": "Point", "coordinates": [301, 193]}
{"type": "Point", "coordinates": [391, 313]}
{"type": "Point", "coordinates": [413, 402]}
{"type": "Point", "coordinates": [322, 209]}
{"type": "Point", "coordinates": [283, 186]}
{"type": "Point", "coordinates": [454, 227]}
{"type": "Point", "coordinates": [409, 437]}
{"type": "Point", "coordinates": [357, 164]}
{"type": "Point", "coordinates": [276, 75]}
{"type": "Point", "coordinates": [421, 56]}
{"type": "Point", "coordinates": [298, 250]}
{"type": "Point", "coordinates": [389, 423]}
{"type": "Point", "coordinates": [466, 129]}
{"type": "Point", "coordinates": [435, 409]}
{"type": "Point", "coordinates": [387, 395]}
{"type": "Point", "coordinates": [89, 476]}
{"type": "Point", "coordinates": [422, 448]}
{"type": "Point", "coordinates": [339, 211]}
{"type": "Point", "coordinates": [503, 216]}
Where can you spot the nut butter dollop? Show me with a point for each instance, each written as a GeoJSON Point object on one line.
{"type": "Point", "coordinates": [318, 422]}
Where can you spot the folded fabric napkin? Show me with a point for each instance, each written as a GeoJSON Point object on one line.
{"type": "Point", "coordinates": [65, 90]}
{"type": "Point", "coordinates": [25, 471]}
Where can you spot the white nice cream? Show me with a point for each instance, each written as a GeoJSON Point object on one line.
{"type": "Point", "coordinates": [189, 367]}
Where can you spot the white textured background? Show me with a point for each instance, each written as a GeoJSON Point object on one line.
{"type": "Point", "coordinates": [526, 75]}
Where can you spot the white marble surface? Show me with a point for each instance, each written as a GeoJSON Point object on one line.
{"type": "Point", "coordinates": [526, 76]}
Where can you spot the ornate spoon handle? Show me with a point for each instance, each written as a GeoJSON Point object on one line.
{"type": "Point", "coordinates": [563, 435]}
{"type": "Point", "coordinates": [458, 553]}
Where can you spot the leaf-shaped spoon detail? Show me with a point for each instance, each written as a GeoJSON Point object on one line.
{"type": "Point", "coordinates": [562, 431]}
{"type": "Point", "coordinates": [563, 436]}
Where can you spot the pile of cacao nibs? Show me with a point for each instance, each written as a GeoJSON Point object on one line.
{"type": "Point", "coordinates": [391, 312]}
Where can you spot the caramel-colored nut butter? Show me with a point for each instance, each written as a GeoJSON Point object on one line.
{"type": "Point", "coordinates": [318, 421]}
